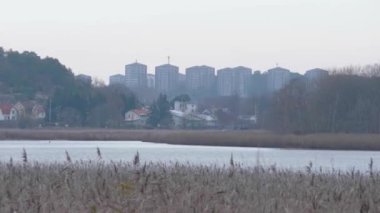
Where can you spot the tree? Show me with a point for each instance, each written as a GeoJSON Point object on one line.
{"type": "Point", "coordinates": [225, 118]}
{"type": "Point", "coordinates": [160, 115]}
{"type": "Point", "coordinates": [98, 83]}
{"type": "Point", "coordinates": [109, 112]}
{"type": "Point", "coordinates": [26, 76]}
{"type": "Point", "coordinates": [70, 116]}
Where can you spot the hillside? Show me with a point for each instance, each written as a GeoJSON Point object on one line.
{"type": "Point", "coordinates": [27, 74]}
{"type": "Point", "coordinates": [28, 77]}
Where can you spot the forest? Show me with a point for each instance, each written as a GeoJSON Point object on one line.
{"type": "Point", "coordinates": [346, 101]}
{"type": "Point", "coordinates": [26, 76]}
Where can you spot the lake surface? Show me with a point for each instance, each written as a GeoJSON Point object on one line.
{"type": "Point", "coordinates": [54, 151]}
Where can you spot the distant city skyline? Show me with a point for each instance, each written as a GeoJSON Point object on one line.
{"type": "Point", "coordinates": [99, 38]}
{"type": "Point", "coordinates": [203, 81]}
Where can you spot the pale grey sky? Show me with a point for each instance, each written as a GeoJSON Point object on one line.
{"type": "Point", "coordinates": [99, 37]}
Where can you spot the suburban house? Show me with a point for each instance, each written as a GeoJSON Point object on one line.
{"type": "Point", "coordinates": [12, 112]}
{"type": "Point", "coordinates": [185, 107]}
{"type": "Point", "coordinates": [209, 120]}
{"type": "Point", "coordinates": [7, 112]}
{"type": "Point", "coordinates": [185, 115]}
{"type": "Point", "coordinates": [20, 108]}
{"type": "Point", "coordinates": [185, 120]}
{"type": "Point", "coordinates": [137, 117]}
{"type": "Point", "coordinates": [38, 112]}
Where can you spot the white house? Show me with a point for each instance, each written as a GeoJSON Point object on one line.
{"type": "Point", "coordinates": [185, 115]}
{"type": "Point", "coordinates": [184, 120]}
{"type": "Point", "coordinates": [38, 112]}
{"type": "Point", "coordinates": [8, 112]}
{"type": "Point", "coordinates": [4, 112]}
{"type": "Point", "coordinates": [137, 117]}
{"type": "Point", "coordinates": [185, 107]}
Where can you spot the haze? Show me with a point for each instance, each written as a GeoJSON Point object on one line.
{"type": "Point", "coordinates": [99, 37]}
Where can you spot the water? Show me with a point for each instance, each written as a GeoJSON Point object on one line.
{"type": "Point", "coordinates": [54, 151]}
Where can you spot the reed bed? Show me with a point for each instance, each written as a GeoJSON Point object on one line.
{"type": "Point", "coordinates": [204, 137]}
{"type": "Point", "coordinates": [97, 186]}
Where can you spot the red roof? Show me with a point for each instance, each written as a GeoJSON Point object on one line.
{"type": "Point", "coordinates": [6, 108]}
{"type": "Point", "coordinates": [141, 112]}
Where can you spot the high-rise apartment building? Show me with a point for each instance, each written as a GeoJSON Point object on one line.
{"type": "Point", "coordinates": [84, 78]}
{"type": "Point", "coordinates": [314, 76]}
{"type": "Point", "coordinates": [258, 84]}
{"type": "Point", "coordinates": [200, 78]}
{"type": "Point", "coordinates": [225, 85]}
{"type": "Point", "coordinates": [136, 75]}
{"type": "Point", "coordinates": [277, 78]}
{"type": "Point", "coordinates": [151, 81]}
{"type": "Point", "coordinates": [234, 81]}
{"type": "Point", "coordinates": [117, 79]}
{"type": "Point", "coordinates": [166, 78]}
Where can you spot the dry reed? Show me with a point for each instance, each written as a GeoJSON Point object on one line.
{"type": "Point", "coordinates": [153, 187]}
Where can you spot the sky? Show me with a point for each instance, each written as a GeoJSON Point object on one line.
{"type": "Point", "coordinates": [99, 37]}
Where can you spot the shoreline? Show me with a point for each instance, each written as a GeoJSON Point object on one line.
{"type": "Point", "coordinates": [249, 138]}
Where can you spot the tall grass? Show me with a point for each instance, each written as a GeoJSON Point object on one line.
{"type": "Point", "coordinates": [95, 186]}
{"type": "Point", "coordinates": [207, 137]}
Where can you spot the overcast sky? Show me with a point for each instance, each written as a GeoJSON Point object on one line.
{"type": "Point", "coordinates": [99, 37]}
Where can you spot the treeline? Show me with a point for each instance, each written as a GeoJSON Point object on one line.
{"type": "Point", "coordinates": [26, 74]}
{"type": "Point", "coordinates": [68, 101]}
{"type": "Point", "coordinates": [85, 105]}
{"type": "Point", "coordinates": [346, 101]}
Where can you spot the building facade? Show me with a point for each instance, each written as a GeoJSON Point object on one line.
{"type": "Point", "coordinates": [234, 81]}
{"type": "Point", "coordinates": [200, 78]}
{"type": "Point", "coordinates": [316, 74]}
{"type": "Point", "coordinates": [84, 78]}
{"type": "Point", "coordinates": [166, 78]}
{"type": "Point", "coordinates": [117, 79]}
{"type": "Point", "coordinates": [136, 75]}
{"type": "Point", "coordinates": [258, 84]}
{"type": "Point", "coordinates": [225, 82]}
{"type": "Point", "coordinates": [137, 117]}
{"type": "Point", "coordinates": [277, 78]}
{"type": "Point", "coordinates": [151, 81]}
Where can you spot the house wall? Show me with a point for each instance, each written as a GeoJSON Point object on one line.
{"type": "Point", "coordinates": [190, 108]}
{"type": "Point", "coordinates": [131, 116]}
{"type": "Point", "coordinates": [185, 107]}
{"type": "Point", "coordinates": [14, 114]}
{"type": "Point", "coordinates": [1, 116]}
{"type": "Point", "coordinates": [41, 115]}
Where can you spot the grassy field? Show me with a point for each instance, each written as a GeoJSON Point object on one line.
{"type": "Point", "coordinates": [205, 137]}
{"type": "Point", "coordinates": [131, 187]}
